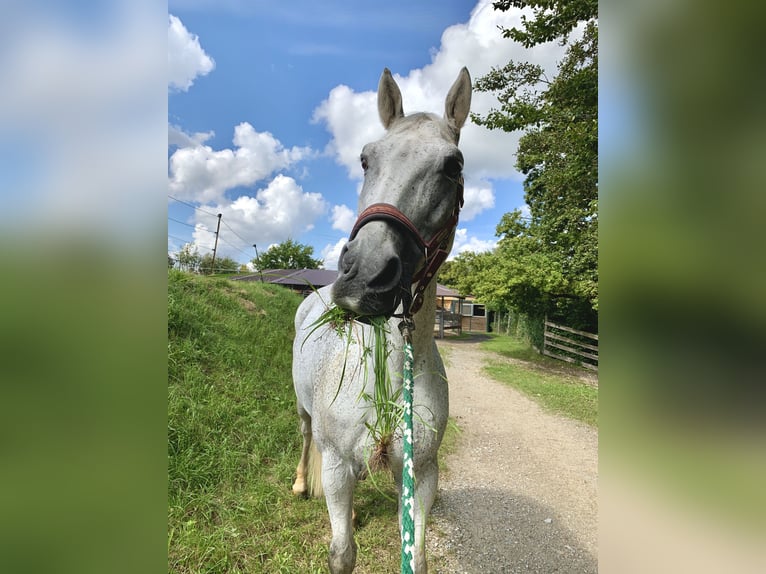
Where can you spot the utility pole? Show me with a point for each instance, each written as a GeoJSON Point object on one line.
{"type": "Point", "coordinates": [217, 229]}
{"type": "Point", "coordinates": [260, 272]}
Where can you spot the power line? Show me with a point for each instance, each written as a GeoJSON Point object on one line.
{"type": "Point", "coordinates": [189, 242]}
{"type": "Point", "coordinates": [235, 247]}
{"type": "Point", "coordinates": [237, 234]}
{"type": "Point", "coordinates": [219, 236]}
{"type": "Point", "coordinates": [190, 225]}
{"type": "Point", "coordinates": [179, 238]}
{"type": "Point", "coordinates": [217, 233]}
{"type": "Point", "coordinates": [192, 206]}
{"type": "Point", "coordinates": [245, 241]}
{"type": "Point", "coordinates": [208, 248]}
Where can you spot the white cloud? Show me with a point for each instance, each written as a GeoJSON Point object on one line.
{"type": "Point", "coordinates": [202, 174]}
{"type": "Point", "coordinates": [464, 243]}
{"type": "Point", "coordinates": [352, 118]}
{"type": "Point", "coordinates": [478, 197]}
{"type": "Point", "coordinates": [343, 218]}
{"type": "Point", "coordinates": [278, 212]}
{"type": "Point", "coordinates": [179, 138]}
{"type": "Point", "coordinates": [331, 253]}
{"type": "Point", "coordinates": [186, 58]}
{"type": "Point", "coordinates": [204, 237]}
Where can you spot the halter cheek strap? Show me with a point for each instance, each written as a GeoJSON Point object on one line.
{"type": "Point", "coordinates": [435, 250]}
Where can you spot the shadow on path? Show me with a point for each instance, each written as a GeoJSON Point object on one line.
{"type": "Point", "coordinates": [466, 338]}
{"type": "Point", "coordinates": [491, 531]}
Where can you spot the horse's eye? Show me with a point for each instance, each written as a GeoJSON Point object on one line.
{"type": "Point", "coordinates": [364, 163]}
{"type": "Point", "coordinates": [453, 166]}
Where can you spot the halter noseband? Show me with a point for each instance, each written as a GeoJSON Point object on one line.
{"type": "Point", "coordinates": [435, 250]}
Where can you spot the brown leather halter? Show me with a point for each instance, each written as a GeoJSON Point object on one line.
{"type": "Point", "coordinates": [435, 250]}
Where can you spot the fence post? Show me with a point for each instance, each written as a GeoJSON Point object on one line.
{"type": "Point", "coordinates": [441, 323]}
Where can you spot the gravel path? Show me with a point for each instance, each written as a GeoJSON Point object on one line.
{"type": "Point", "coordinates": [520, 494]}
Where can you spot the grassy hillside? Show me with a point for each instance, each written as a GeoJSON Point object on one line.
{"type": "Point", "coordinates": [233, 440]}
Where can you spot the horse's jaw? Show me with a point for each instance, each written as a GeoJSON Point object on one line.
{"type": "Point", "coordinates": [375, 271]}
{"type": "Point", "coordinates": [364, 303]}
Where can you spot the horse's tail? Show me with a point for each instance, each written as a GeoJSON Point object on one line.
{"type": "Point", "coordinates": [314, 472]}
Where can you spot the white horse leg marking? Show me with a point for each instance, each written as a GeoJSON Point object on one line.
{"type": "Point", "coordinates": [300, 486]}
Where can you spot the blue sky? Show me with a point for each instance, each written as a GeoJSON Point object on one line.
{"type": "Point", "coordinates": [269, 105]}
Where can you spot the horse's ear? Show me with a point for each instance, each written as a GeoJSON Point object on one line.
{"type": "Point", "coordinates": [389, 99]}
{"type": "Point", "coordinates": [459, 99]}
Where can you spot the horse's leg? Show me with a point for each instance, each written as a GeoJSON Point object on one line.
{"type": "Point", "coordinates": [299, 486]}
{"type": "Point", "coordinates": [425, 493]}
{"type": "Point", "coordinates": [426, 480]}
{"type": "Point", "coordinates": [339, 482]}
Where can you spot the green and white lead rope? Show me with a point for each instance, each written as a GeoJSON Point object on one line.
{"type": "Point", "coordinates": [408, 472]}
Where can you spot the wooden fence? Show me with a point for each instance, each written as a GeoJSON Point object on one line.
{"type": "Point", "coordinates": [558, 338]}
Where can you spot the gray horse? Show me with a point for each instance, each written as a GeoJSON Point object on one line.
{"type": "Point", "coordinates": [408, 208]}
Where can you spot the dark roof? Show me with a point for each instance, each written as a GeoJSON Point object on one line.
{"type": "Point", "coordinates": [293, 277]}
{"type": "Point", "coordinates": [302, 277]}
{"type": "Point", "coordinates": [316, 278]}
{"type": "Point", "coordinates": [442, 291]}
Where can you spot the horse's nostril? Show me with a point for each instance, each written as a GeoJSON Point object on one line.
{"type": "Point", "coordinates": [345, 261]}
{"type": "Point", "coordinates": [389, 276]}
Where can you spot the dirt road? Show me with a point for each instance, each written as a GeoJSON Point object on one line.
{"type": "Point", "coordinates": [520, 494]}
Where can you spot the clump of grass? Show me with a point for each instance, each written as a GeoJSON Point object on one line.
{"type": "Point", "coordinates": [384, 399]}
{"type": "Point", "coordinates": [340, 321]}
{"type": "Point", "coordinates": [335, 318]}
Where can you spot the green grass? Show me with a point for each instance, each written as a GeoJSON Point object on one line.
{"type": "Point", "coordinates": [233, 441]}
{"type": "Point", "coordinates": [450, 442]}
{"type": "Point", "coordinates": [516, 348]}
{"type": "Point", "coordinates": [561, 393]}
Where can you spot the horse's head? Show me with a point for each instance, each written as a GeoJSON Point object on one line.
{"type": "Point", "coordinates": [413, 190]}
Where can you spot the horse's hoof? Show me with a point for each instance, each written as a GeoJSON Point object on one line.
{"type": "Point", "coordinates": [299, 489]}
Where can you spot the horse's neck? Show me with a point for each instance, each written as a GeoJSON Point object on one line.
{"type": "Point", "coordinates": [423, 335]}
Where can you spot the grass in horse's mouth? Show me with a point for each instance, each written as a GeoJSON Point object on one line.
{"type": "Point", "coordinates": [384, 400]}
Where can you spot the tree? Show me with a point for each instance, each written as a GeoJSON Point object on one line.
{"type": "Point", "coordinates": [462, 272]}
{"type": "Point", "coordinates": [552, 19]}
{"type": "Point", "coordinates": [188, 259]}
{"type": "Point", "coordinates": [550, 263]}
{"type": "Point", "coordinates": [287, 255]}
{"type": "Point", "coordinates": [222, 264]}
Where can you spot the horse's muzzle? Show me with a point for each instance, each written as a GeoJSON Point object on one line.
{"type": "Point", "coordinates": [370, 280]}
